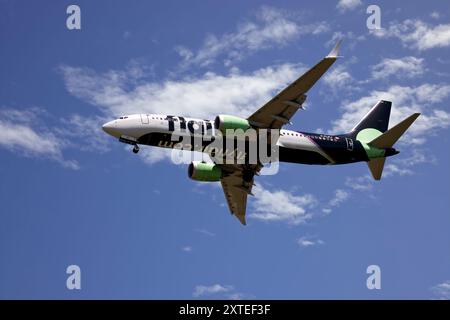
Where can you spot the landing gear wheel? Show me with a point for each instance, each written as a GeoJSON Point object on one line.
{"type": "Point", "coordinates": [135, 149]}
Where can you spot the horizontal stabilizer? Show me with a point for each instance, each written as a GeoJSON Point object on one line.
{"type": "Point", "coordinates": [376, 167]}
{"type": "Point", "coordinates": [390, 137]}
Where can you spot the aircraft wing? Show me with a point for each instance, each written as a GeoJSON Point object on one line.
{"type": "Point", "coordinates": [278, 111]}
{"type": "Point", "coordinates": [236, 190]}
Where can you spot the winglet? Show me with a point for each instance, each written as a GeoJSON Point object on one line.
{"type": "Point", "coordinates": [335, 52]}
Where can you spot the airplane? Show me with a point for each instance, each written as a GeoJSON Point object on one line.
{"type": "Point", "coordinates": [369, 141]}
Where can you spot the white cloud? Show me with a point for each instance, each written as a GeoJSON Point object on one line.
{"type": "Point", "coordinates": [273, 28]}
{"type": "Point", "coordinates": [408, 67]}
{"type": "Point", "coordinates": [339, 79]}
{"type": "Point", "coordinates": [186, 249]}
{"type": "Point", "coordinates": [185, 53]}
{"type": "Point", "coordinates": [348, 5]}
{"type": "Point", "coordinates": [435, 15]}
{"type": "Point", "coordinates": [361, 183]}
{"type": "Point", "coordinates": [406, 100]}
{"type": "Point", "coordinates": [340, 196]}
{"type": "Point", "coordinates": [19, 136]}
{"type": "Point", "coordinates": [84, 132]}
{"type": "Point", "coordinates": [205, 232]}
{"type": "Point", "coordinates": [350, 39]}
{"type": "Point", "coordinates": [205, 96]}
{"type": "Point", "coordinates": [152, 155]}
{"type": "Point", "coordinates": [442, 290]}
{"type": "Point", "coordinates": [308, 241]}
{"type": "Point", "coordinates": [240, 296]}
{"type": "Point", "coordinates": [417, 34]}
{"type": "Point", "coordinates": [282, 205]}
{"type": "Point", "coordinates": [202, 291]}
{"type": "Point", "coordinates": [225, 291]}
{"type": "Point", "coordinates": [416, 157]}
{"type": "Point", "coordinates": [403, 166]}
{"type": "Point", "coordinates": [394, 169]}
{"type": "Point", "coordinates": [22, 137]}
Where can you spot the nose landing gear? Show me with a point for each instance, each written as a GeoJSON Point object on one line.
{"type": "Point", "coordinates": [135, 148]}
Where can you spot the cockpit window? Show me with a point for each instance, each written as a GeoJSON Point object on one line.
{"type": "Point", "coordinates": [123, 118]}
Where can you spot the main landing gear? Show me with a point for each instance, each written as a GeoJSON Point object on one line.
{"type": "Point", "coordinates": [135, 148]}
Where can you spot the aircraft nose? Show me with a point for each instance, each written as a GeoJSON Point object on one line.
{"type": "Point", "coordinates": [110, 128]}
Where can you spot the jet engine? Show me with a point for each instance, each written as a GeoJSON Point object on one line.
{"type": "Point", "coordinates": [201, 171]}
{"type": "Point", "coordinates": [224, 122]}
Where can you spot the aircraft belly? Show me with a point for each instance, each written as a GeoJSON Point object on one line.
{"type": "Point", "coordinates": [306, 148]}
{"type": "Point", "coordinates": [301, 156]}
{"type": "Point", "coordinates": [301, 150]}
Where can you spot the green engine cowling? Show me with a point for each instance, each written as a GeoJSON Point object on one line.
{"type": "Point", "coordinates": [201, 171]}
{"type": "Point", "coordinates": [224, 122]}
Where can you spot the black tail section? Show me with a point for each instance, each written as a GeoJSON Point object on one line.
{"type": "Point", "coordinates": [376, 118]}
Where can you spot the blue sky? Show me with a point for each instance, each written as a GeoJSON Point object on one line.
{"type": "Point", "coordinates": [139, 228]}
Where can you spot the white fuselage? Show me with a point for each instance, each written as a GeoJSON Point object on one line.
{"type": "Point", "coordinates": [157, 130]}
{"type": "Point", "coordinates": [137, 125]}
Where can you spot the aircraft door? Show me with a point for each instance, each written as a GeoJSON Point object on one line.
{"type": "Point", "coordinates": [144, 118]}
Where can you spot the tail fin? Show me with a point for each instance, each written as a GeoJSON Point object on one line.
{"type": "Point", "coordinates": [390, 137]}
{"type": "Point", "coordinates": [377, 118]}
